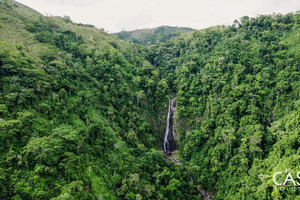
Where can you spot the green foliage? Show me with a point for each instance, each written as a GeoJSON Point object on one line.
{"type": "Point", "coordinates": [80, 118]}
{"type": "Point", "coordinates": [152, 36]}
{"type": "Point", "coordinates": [237, 89]}
{"type": "Point", "coordinates": [82, 113]}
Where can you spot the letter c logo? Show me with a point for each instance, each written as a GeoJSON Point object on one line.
{"type": "Point", "coordinates": [274, 178]}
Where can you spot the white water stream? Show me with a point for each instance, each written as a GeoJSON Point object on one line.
{"type": "Point", "coordinates": [169, 140]}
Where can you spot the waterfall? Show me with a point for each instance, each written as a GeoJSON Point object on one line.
{"type": "Point", "coordinates": [169, 139]}
{"type": "Point", "coordinates": [166, 142]}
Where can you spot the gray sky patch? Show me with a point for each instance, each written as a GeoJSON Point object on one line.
{"type": "Point", "coordinates": [114, 15]}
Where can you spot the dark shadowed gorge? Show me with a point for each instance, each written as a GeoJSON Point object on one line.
{"type": "Point", "coordinates": [169, 142]}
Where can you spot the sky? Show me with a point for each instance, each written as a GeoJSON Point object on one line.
{"type": "Point", "coordinates": [118, 15]}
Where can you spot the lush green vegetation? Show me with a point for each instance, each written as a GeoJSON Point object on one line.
{"type": "Point", "coordinates": [82, 112]}
{"type": "Point", "coordinates": [81, 115]}
{"type": "Point", "coordinates": [238, 111]}
{"type": "Point", "coordinates": [152, 36]}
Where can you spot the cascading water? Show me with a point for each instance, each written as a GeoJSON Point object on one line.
{"type": "Point", "coordinates": [170, 144]}
{"type": "Point", "coordinates": [166, 142]}
{"type": "Point", "coordinates": [169, 137]}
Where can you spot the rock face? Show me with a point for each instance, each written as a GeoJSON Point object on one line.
{"type": "Point", "coordinates": [170, 140]}
{"type": "Point", "coordinates": [204, 194]}
{"type": "Point", "coordinates": [170, 144]}
{"type": "Point", "coordinates": [171, 156]}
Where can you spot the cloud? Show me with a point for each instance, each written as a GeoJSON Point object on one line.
{"type": "Point", "coordinates": [269, 6]}
{"type": "Point", "coordinates": [140, 21]}
{"type": "Point", "coordinates": [74, 3]}
{"type": "Point", "coordinates": [115, 15]}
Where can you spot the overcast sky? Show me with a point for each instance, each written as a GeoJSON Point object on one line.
{"type": "Point", "coordinates": [115, 15]}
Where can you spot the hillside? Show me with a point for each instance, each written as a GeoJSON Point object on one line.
{"type": "Point", "coordinates": [152, 36]}
{"type": "Point", "coordinates": [83, 113]}
{"type": "Point", "coordinates": [238, 95]}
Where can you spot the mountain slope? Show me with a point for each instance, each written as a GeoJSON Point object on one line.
{"type": "Point", "coordinates": [152, 36]}
{"type": "Point", "coordinates": [81, 114]}
{"type": "Point", "coordinates": [238, 104]}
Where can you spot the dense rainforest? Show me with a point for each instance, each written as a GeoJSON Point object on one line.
{"type": "Point", "coordinates": [82, 112]}
{"type": "Point", "coordinates": [152, 36]}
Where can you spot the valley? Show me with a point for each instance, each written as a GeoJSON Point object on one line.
{"type": "Point", "coordinates": [89, 115]}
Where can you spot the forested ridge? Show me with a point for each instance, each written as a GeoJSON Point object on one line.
{"type": "Point", "coordinates": [152, 36]}
{"type": "Point", "coordinates": [82, 112]}
{"type": "Point", "coordinates": [238, 108]}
